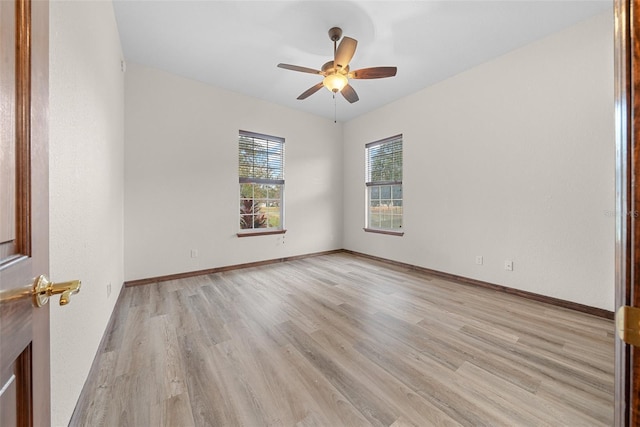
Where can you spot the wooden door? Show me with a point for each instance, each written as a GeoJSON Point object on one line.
{"type": "Point", "coordinates": [24, 210]}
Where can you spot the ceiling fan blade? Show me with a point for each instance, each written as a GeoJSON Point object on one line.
{"type": "Point", "coordinates": [298, 68]}
{"type": "Point", "coordinates": [345, 51]}
{"type": "Point", "coordinates": [310, 91]}
{"type": "Point", "coordinates": [349, 94]}
{"type": "Point", "coordinates": [373, 73]}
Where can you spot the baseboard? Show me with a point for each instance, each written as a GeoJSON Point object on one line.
{"type": "Point", "coordinates": [177, 276]}
{"type": "Point", "coordinates": [94, 370]}
{"type": "Point", "coordinates": [599, 312]}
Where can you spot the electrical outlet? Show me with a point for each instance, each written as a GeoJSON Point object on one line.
{"type": "Point", "coordinates": [194, 253]}
{"type": "Point", "coordinates": [108, 289]}
{"type": "Point", "coordinates": [479, 260]}
{"type": "Point", "coordinates": [508, 265]}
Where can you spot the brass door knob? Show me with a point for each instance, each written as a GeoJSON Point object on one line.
{"type": "Point", "coordinates": [43, 289]}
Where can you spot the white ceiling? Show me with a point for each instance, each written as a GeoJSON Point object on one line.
{"type": "Point", "coordinates": [236, 45]}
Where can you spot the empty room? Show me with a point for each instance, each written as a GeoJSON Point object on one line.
{"type": "Point", "coordinates": [316, 213]}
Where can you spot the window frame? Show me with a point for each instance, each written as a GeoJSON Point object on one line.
{"type": "Point", "coordinates": [390, 182]}
{"type": "Point", "coordinates": [278, 165]}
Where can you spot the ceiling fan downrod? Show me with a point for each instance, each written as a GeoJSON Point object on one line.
{"type": "Point", "coordinates": [335, 33]}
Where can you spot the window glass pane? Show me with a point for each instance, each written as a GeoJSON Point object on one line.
{"type": "Point", "coordinates": [374, 217]}
{"type": "Point", "coordinates": [397, 191]}
{"type": "Point", "coordinates": [274, 192]}
{"type": "Point", "coordinates": [385, 192]}
{"type": "Point", "coordinates": [246, 213]}
{"type": "Point", "coordinates": [246, 191]}
{"type": "Point", "coordinates": [260, 191]}
{"type": "Point", "coordinates": [385, 218]}
{"type": "Point", "coordinates": [375, 192]}
{"type": "Point", "coordinates": [273, 217]}
{"type": "Point", "coordinates": [259, 214]}
{"type": "Point", "coordinates": [397, 221]}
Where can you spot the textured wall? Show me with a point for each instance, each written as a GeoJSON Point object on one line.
{"type": "Point", "coordinates": [513, 159]}
{"type": "Point", "coordinates": [181, 177]}
{"type": "Point", "coordinates": [86, 187]}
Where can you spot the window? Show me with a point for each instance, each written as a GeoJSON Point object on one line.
{"type": "Point", "coordinates": [384, 185]}
{"type": "Point", "coordinates": [261, 176]}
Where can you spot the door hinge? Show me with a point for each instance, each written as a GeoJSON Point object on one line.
{"type": "Point", "coordinates": [628, 324]}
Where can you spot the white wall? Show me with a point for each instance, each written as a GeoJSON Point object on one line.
{"type": "Point", "coordinates": [513, 159]}
{"type": "Point", "coordinates": [86, 187]}
{"type": "Point", "coordinates": [181, 176]}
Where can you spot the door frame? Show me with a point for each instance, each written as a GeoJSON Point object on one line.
{"type": "Point", "coordinates": [627, 261]}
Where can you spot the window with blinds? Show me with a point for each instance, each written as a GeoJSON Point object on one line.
{"type": "Point", "coordinates": [384, 185]}
{"type": "Point", "coordinates": [261, 178]}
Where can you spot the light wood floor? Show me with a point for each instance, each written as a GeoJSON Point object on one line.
{"type": "Point", "coordinates": [339, 340]}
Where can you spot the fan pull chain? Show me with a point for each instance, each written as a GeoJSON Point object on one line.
{"type": "Point", "coordinates": [335, 110]}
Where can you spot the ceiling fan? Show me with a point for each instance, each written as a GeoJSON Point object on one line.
{"type": "Point", "coordinates": [337, 73]}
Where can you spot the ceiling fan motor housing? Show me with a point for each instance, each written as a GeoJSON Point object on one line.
{"type": "Point", "coordinates": [330, 69]}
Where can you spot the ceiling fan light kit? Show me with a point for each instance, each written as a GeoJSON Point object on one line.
{"type": "Point", "coordinates": [336, 73]}
{"type": "Point", "coordinates": [335, 82]}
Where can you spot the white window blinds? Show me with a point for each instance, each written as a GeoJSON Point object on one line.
{"type": "Point", "coordinates": [384, 161]}
{"type": "Point", "coordinates": [261, 158]}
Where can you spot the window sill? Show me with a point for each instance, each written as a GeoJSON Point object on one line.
{"type": "Point", "coordinates": [260, 233]}
{"type": "Point", "coordinates": [388, 232]}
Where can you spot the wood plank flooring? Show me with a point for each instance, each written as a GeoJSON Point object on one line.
{"type": "Point", "coordinates": [340, 340]}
